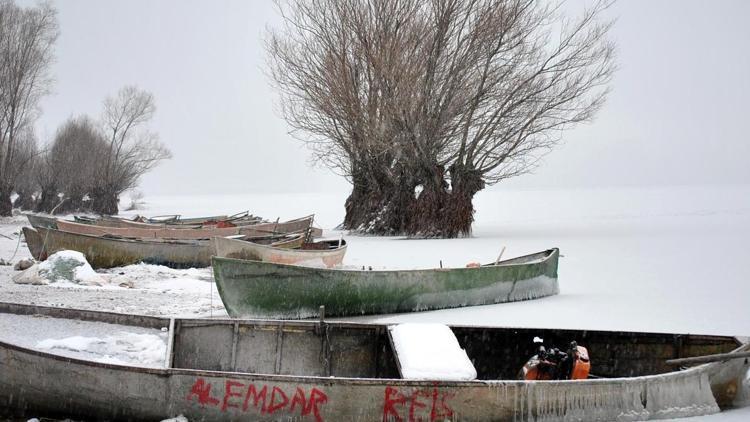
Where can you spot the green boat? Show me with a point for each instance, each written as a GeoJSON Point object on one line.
{"type": "Point", "coordinates": [254, 289]}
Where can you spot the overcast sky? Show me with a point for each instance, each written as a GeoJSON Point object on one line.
{"type": "Point", "coordinates": [678, 113]}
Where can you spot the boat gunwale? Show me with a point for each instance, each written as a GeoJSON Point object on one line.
{"type": "Point", "coordinates": [90, 315]}
{"type": "Point", "coordinates": [277, 249]}
{"type": "Point", "coordinates": [140, 240]}
{"type": "Point", "coordinates": [549, 254]}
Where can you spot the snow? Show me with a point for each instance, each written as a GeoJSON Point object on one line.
{"type": "Point", "coordinates": [179, 418]}
{"type": "Point", "coordinates": [101, 342]}
{"type": "Point", "coordinates": [430, 352]}
{"type": "Point", "coordinates": [121, 348]}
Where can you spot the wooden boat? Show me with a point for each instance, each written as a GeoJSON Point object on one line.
{"type": "Point", "coordinates": [254, 230]}
{"type": "Point", "coordinates": [115, 222]}
{"type": "Point", "coordinates": [107, 252]}
{"type": "Point", "coordinates": [267, 290]}
{"type": "Point", "coordinates": [327, 253]}
{"type": "Point", "coordinates": [318, 370]}
{"type": "Point", "coordinates": [108, 221]}
{"type": "Point", "coordinates": [241, 218]}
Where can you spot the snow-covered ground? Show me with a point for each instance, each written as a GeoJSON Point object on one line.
{"type": "Point", "coordinates": [667, 259]}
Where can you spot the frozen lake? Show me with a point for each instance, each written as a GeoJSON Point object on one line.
{"type": "Point", "coordinates": [641, 259]}
{"type": "Point", "coordinates": [655, 259]}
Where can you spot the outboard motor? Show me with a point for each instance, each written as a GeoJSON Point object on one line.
{"type": "Point", "coordinates": [554, 364]}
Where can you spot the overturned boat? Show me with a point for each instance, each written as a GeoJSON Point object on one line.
{"type": "Point", "coordinates": [267, 290]}
{"type": "Point", "coordinates": [113, 251]}
{"type": "Point", "coordinates": [324, 253]}
{"type": "Point", "coordinates": [321, 370]}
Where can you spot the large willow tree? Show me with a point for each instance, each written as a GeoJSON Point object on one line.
{"type": "Point", "coordinates": [420, 104]}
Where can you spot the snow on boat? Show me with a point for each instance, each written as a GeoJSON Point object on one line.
{"type": "Point", "coordinates": [110, 251]}
{"type": "Point", "coordinates": [320, 370]}
{"type": "Point", "coordinates": [253, 289]}
{"type": "Point", "coordinates": [326, 253]}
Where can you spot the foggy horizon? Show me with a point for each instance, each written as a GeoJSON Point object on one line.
{"type": "Point", "coordinates": [674, 116]}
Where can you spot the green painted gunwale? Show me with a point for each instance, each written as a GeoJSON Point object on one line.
{"type": "Point", "coordinates": [268, 290]}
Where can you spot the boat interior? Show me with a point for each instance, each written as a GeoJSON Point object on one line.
{"type": "Point", "coordinates": [341, 349]}
{"type": "Point", "coordinates": [524, 259]}
{"type": "Point", "coordinates": [323, 245]}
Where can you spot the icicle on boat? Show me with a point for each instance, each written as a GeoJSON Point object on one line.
{"type": "Point", "coordinates": [253, 289]}
{"type": "Point", "coordinates": [320, 370]}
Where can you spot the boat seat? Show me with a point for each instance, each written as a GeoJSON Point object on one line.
{"type": "Point", "coordinates": [429, 351]}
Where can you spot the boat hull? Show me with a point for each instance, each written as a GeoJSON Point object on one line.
{"type": "Point", "coordinates": [224, 389]}
{"type": "Point", "coordinates": [185, 233]}
{"type": "Point", "coordinates": [106, 392]}
{"type": "Point", "coordinates": [102, 252]}
{"type": "Point", "coordinates": [239, 249]}
{"type": "Point", "coordinates": [266, 290]}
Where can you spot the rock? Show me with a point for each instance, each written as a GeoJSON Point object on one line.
{"type": "Point", "coordinates": [4, 262]}
{"type": "Point", "coordinates": [70, 266]}
{"type": "Point", "coordinates": [30, 276]}
{"type": "Point", "coordinates": [23, 264]}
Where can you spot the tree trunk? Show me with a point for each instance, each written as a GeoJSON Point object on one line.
{"type": "Point", "coordinates": [47, 200]}
{"type": "Point", "coordinates": [440, 212]}
{"type": "Point", "coordinates": [377, 206]}
{"type": "Point", "coordinates": [104, 201]}
{"type": "Point", "coordinates": [459, 211]}
{"type": "Point", "coordinates": [6, 205]}
{"type": "Point", "coordinates": [72, 203]}
{"type": "Point", "coordinates": [25, 201]}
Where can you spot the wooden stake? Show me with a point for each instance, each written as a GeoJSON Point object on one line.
{"type": "Point", "coordinates": [497, 261]}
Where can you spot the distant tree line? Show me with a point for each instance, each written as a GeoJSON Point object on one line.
{"type": "Point", "coordinates": [89, 163]}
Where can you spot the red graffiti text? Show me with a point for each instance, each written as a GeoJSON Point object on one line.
{"type": "Point", "coordinates": [410, 404]}
{"type": "Point", "coordinates": [263, 398]}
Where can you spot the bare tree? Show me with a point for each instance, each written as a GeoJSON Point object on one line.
{"type": "Point", "coordinates": [27, 38]}
{"type": "Point", "coordinates": [73, 153]}
{"type": "Point", "coordinates": [22, 169]}
{"type": "Point", "coordinates": [441, 96]}
{"type": "Point", "coordinates": [47, 180]}
{"type": "Point", "coordinates": [132, 150]}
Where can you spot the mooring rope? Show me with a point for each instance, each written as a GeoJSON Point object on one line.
{"type": "Point", "coordinates": [17, 246]}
